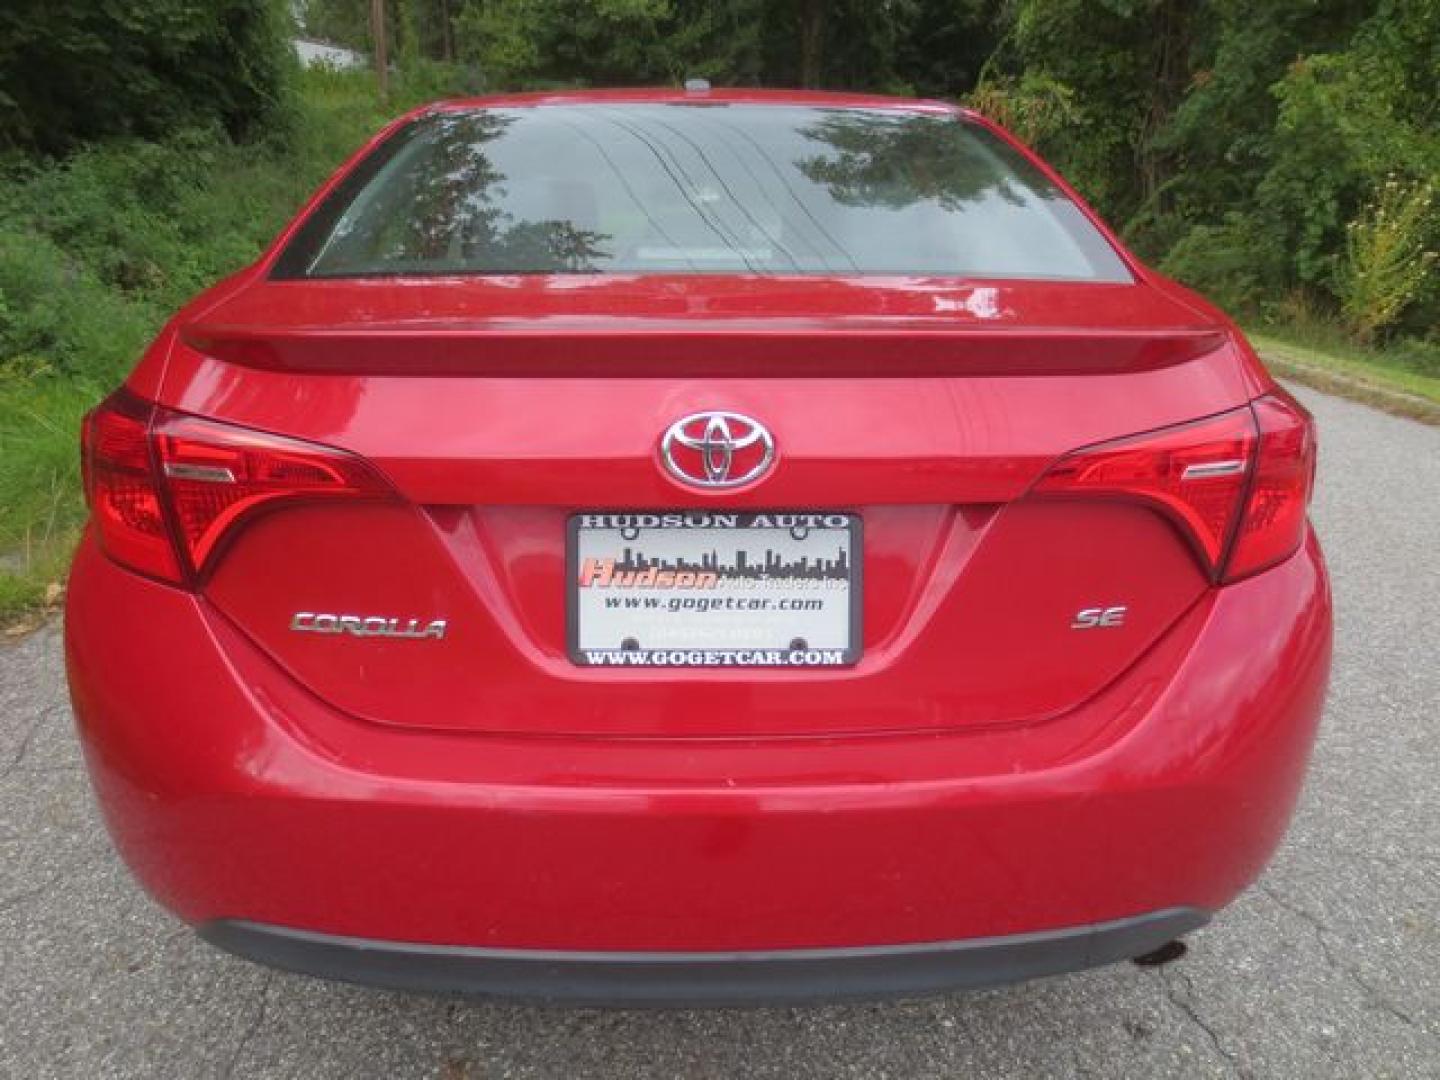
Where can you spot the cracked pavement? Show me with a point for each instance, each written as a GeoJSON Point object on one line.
{"type": "Point", "coordinates": [1329, 967]}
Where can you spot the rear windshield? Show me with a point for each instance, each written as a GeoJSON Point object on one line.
{"type": "Point", "coordinates": [698, 189]}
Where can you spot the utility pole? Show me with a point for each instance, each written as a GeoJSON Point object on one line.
{"type": "Point", "coordinates": [382, 59]}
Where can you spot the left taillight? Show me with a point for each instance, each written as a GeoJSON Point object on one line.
{"type": "Point", "coordinates": [121, 486]}
{"type": "Point", "coordinates": [168, 490]}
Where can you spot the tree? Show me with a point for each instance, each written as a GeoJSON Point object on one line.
{"type": "Point", "coordinates": [74, 73]}
{"type": "Point", "coordinates": [812, 38]}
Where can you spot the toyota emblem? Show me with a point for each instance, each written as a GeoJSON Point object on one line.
{"type": "Point", "coordinates": [717, 449]}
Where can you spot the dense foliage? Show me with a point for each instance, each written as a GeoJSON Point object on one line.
{"type": "Point", "coordinates": [72, 73]}
{"type": "Point", "coordinates": [1236, 143]}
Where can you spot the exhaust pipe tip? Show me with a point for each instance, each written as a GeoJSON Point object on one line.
{"type": "Point", "coordinates": [1165, 954]}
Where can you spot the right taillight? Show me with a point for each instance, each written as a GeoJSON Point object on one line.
{"type": "Point", "coordinates": [1236, 485]}
{"type": "Point", "coordinates": [1272, 524]}
{"type": "Point", "coordinates": [168, 490]}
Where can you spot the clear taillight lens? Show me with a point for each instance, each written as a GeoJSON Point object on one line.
{"type": "Point", "coordinates": [1237, 485]}
{"type": "Point", "coordinates": [168, 490]}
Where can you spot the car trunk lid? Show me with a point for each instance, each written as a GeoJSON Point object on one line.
{"type": "Point", "coordinates": [500, 409]}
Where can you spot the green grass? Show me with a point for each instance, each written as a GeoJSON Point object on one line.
{"type": "Point", "coordinates": [1404, 379]}
{"type": "Point", "coordinates": [39, 486]}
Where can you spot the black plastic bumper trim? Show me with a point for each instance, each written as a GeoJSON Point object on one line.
{"type": "Point", "coordinates": [703, 978]}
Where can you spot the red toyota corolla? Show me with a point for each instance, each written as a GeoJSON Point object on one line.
{"type": "Point", "coordinates": [697, 546]}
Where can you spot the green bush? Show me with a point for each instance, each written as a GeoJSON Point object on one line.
{"type": "Point", "coordinates": [1388, 260]}
{"type": "Point", "coordinates": [74, 73]}
{"type": "Point", "coordinates": [96, 251]}
{"type": "Point", "coordinates": [1416, 354]}
{"type": "Point", "coordinates": [1238, 263]}
{"type": "Point", "coordinates": [58, 319]}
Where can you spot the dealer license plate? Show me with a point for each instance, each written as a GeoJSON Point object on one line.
{"type": "Point", "coordinates": [714, 589]}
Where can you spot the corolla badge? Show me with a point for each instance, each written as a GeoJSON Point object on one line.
{"type": "Point", "coordinates": [717, 449]}
{"type": "Point", "coordinates": [319, 622]}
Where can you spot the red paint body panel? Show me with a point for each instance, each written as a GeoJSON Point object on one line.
{"type": "Point", "coordinates": [233, 793]}
{"type": "Point", "coordinates": [984, 769]}
{"type": "Point", "coordinates": [950, 638]}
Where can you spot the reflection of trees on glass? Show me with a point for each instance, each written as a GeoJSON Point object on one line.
{"type": "Point", "coordinates": [654, 189]}
{"type": "Point", "coordinates": [553, 247]}
{"type": "Point", "coordinates": [453, 189]}
{"type": "Point", "coordinates": [443, 212]}
{"type": "Point", "coordinates": [894, 161]}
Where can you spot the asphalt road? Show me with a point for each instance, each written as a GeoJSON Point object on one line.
{"type": "Point", "coordinates": [1329, 967]}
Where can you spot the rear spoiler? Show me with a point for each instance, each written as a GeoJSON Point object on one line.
{"type": "Point", "coordinates": [724, 349]}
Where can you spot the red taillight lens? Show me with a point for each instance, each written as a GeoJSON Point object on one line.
{"type": "Point", "coordinates": [1236, 484]}
{"type": "Point", "coordinates": [1195, 474]}
{"type": "Point", "coordinates": [158, 480]}
{"type": "Point", "coordinates": [1273, 526]}
{"type": "Point", "coordinates": [125, 502]}
{"type": "Point", "coordinates": [217, 475]}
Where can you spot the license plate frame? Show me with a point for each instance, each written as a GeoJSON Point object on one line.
{"type": "Point", "coordinates": [842, 603]}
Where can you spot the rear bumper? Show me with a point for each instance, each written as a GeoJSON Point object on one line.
{"type": "Point", "coordinates": [241, 802]}
{"type": "Point", "coordinates": [703, 978]}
